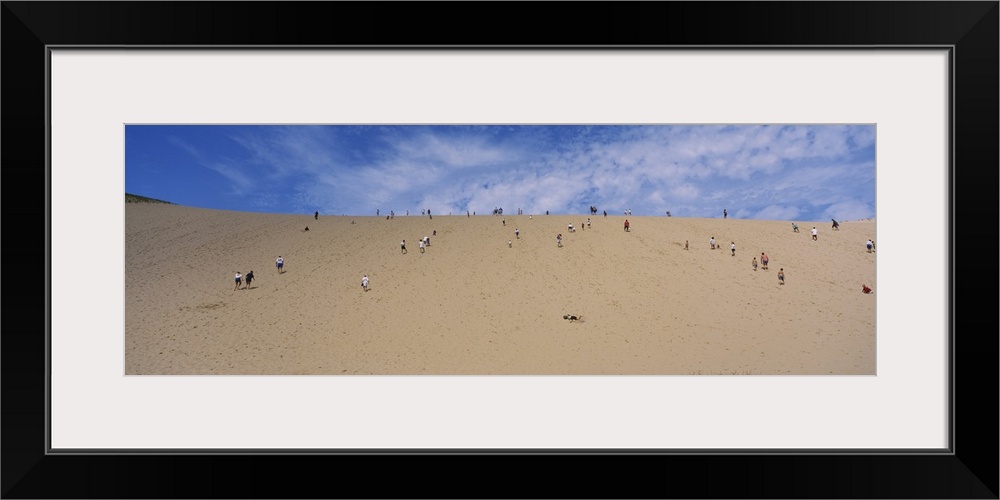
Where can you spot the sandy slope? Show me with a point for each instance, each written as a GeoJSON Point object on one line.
{"type": "Point", "coordinates": [473, 305]}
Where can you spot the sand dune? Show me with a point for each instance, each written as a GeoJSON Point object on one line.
{"type": "Point", "coordinates": [472, 305]}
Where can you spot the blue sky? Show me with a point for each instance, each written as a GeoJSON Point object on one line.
{"type": "Point", "coordinates": [775, 172]}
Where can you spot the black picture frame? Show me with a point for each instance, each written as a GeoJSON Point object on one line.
{"type": "Point", "coordinates": [970, 28]}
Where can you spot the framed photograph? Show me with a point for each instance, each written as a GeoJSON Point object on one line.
{"type": "Point", "coordinates": [836, 389]}
{"type": "Point", "coordinates": [553, 285]}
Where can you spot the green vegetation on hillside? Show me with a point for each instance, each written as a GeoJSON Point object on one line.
{"type": "Point", "coordinates": [134, 198]}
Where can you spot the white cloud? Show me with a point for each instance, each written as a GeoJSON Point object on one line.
{"type": "Point", "coordinates": [761, 172]}
{"type": "Point", "coordinates": [240, 182]}
{"type": "Point", "coordinates": [685, 192]}
{"type": "Point", "coordinates": [777, 212]}
{"type": "Point", "coordinates": [848, 210]}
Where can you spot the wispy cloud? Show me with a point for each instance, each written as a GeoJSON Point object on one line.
{"type": "Point", "coordinates": [764, 172]}
{"type": "Point", "coordinates": [239, 181]}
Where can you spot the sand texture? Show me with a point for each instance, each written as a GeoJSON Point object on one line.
{"type": "Point", "coordinates": [472, 305]}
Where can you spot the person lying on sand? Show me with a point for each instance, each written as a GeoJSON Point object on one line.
{"type": "Point", "coordinates": [573, 317]}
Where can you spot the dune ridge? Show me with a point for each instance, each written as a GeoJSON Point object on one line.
{"type": "Point", "coordinates": [472, 305]}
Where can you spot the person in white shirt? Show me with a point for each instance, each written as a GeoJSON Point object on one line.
{"type": "Point", "coordinates": [239, 281]}
{"type": "Point", "coordinates": [711, 243]}
{"type": "Point", "coordinates": [421, 245]}
{"type": "Point", "coordinates": [732, 246]}
{"type": "Point", "coordinates": [279, 263]}
{"type": "Point", "coordinates": [364, 282]}
{"type": "Point", "coordinates": [814, 233]}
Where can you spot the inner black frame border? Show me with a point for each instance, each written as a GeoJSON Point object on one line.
{"type": "Point", "coordinates": [968, 470]}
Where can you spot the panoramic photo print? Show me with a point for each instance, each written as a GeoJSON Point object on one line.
{"type": "Point", "coordinates": [500, 249]}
